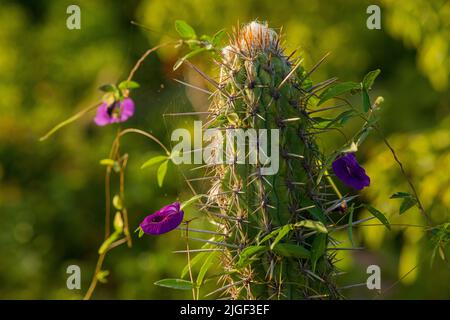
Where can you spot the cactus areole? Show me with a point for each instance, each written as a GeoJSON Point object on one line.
{"type": "Point", "coordinates": [274, 243]}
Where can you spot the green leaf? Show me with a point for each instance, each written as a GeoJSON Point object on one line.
{"type": "Point", "coordinates": [177, 284]}
{"type": "Point", "coordinates": [128, 84]}
{"type": "Point", "coordinates": [369, 79]}
{"type": "Point", "coordinates": [108, 88]}
{"type": "Point", "coordinates": [189, 55]}
{"type": "Point", "coordinates": [408, 200]}
{"type": "Point", "coordinates": [118, 222]}
{"type": "Point", "coordinates": [107, 162]}
{"type": "Point", "coordinates": [283, 231]}
{"type": "Point", "coordinates": [338, 89]}
{"type": "Point", "coordinates": [290, 250]}
{"type": "Point", "coordinates": [152, 161]}
{"type": "Point", "coordinates": [318, 248]}
{"type": "Point", "coordinates": [102, 276]}
{"type": "Point", "coordinates": [315, 211]}
{"type": "Point", "coordinates": [117, 202]}
{"type": "Point", "coordinates": [105, 245]}
{"type": "Point", "coordinates": [248, 253]}
{"type": "Point", "coordinates": [270, 235]}
{"type": "Point", "coordinates": [365, 100]}
{"type": "Point", "coordinates": [380, 216]}
{"type": "Point", "coordinates": [192, 200]}
{"type": "Point", "coordinates": [345, 116]}
{"type": "Point", "coordinates": [365, 132]}
{"type": "Point", "coordinates": [350, 224]}
{"type": "Point", "coordinates": [141, 232]}
{"type": "Point", "coordinates": [311, 224]}
{"type": "Point", "coordinates": [205, 267]}
{"type": "Point", "coordinates": [320, 122]}
{"type": "Point", "coordinates": [116, 167]}
{"type": "Point", "coordinates": [185, 30]}
{"type": "Point", "coordinates": [401, 195]}
{"type": "Point", "coordinates": [217, 38]}
{"type": "Point", "coordinates": [161, 173]}
{"type": "Point", "coordinates": [199, 257]}
{"type": "Point", "coordinates": [233, 118]}
{"type": "Point", "coordinates": [442, 254]}
{"type": "Point", "coordinates": [342, 118]}
{"type": "Point", "coordinates": [205, 37]}
{"type": "Point", "coordinates": [406, 204]}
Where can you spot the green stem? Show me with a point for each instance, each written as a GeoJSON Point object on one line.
{"type": "Point", "coordinates": [68, 121]}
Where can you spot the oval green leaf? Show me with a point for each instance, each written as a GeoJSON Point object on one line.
{"type": "Point", "coordinates": [161, 174]}
{"type": "Point", "coordinates": [369, 79]}
{"type": "Point", "coordinates": [290, 250]}
{"type": "Point", "coordinates": [128, 84]}
{"type": "Point", "coordinates": [185, 30]}
{"type": "Point", "coordinates": [338, 89]}
{"type": "Point", "coordinates": [205, 267]}
{"type": "Point", "coordinates": [380, 216]}
{"type": "Point", "coordinates": [152, 161]}
{"type": "Point", "coordinates": [248, 253]}
{"type": "Point", "coordinates": [318, 248]}
{"type": "Point", "coordinates": [177, 284]}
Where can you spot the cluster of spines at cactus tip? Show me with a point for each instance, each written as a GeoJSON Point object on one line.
{"type": "Point", "coordinates": [262, 88]}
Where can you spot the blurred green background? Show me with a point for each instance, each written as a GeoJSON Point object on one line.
{"type": "Point", "coordinates": [51, 193]}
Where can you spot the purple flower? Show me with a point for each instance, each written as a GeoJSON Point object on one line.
{"type": "Point", "coordinates": [350, 172]}
{"type": "Point", "coordinates": [163, 220]}
{"type": "Point", "coordinates": [118, 111]}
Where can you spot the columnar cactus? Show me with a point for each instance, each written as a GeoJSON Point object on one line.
{"type": "Point", "coordinates": [275, 240]}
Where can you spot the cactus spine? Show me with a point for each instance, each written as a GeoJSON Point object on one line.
{"type": "Point", "coordinates": [261, 88]}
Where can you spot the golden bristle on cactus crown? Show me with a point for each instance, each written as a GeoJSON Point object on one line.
{"type": "Point", "coordinates": [251, 40]}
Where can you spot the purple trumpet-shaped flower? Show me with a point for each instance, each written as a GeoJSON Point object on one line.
{"type": "Point", "coordinates": [118, 111]}
{"type": "Point", "coordinates": [163, 220]}
{"type": "Point", "coordinates": [350, 172]}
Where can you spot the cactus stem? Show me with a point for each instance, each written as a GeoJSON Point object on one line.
{"type": "Point", "coordinates": [264, 89]}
